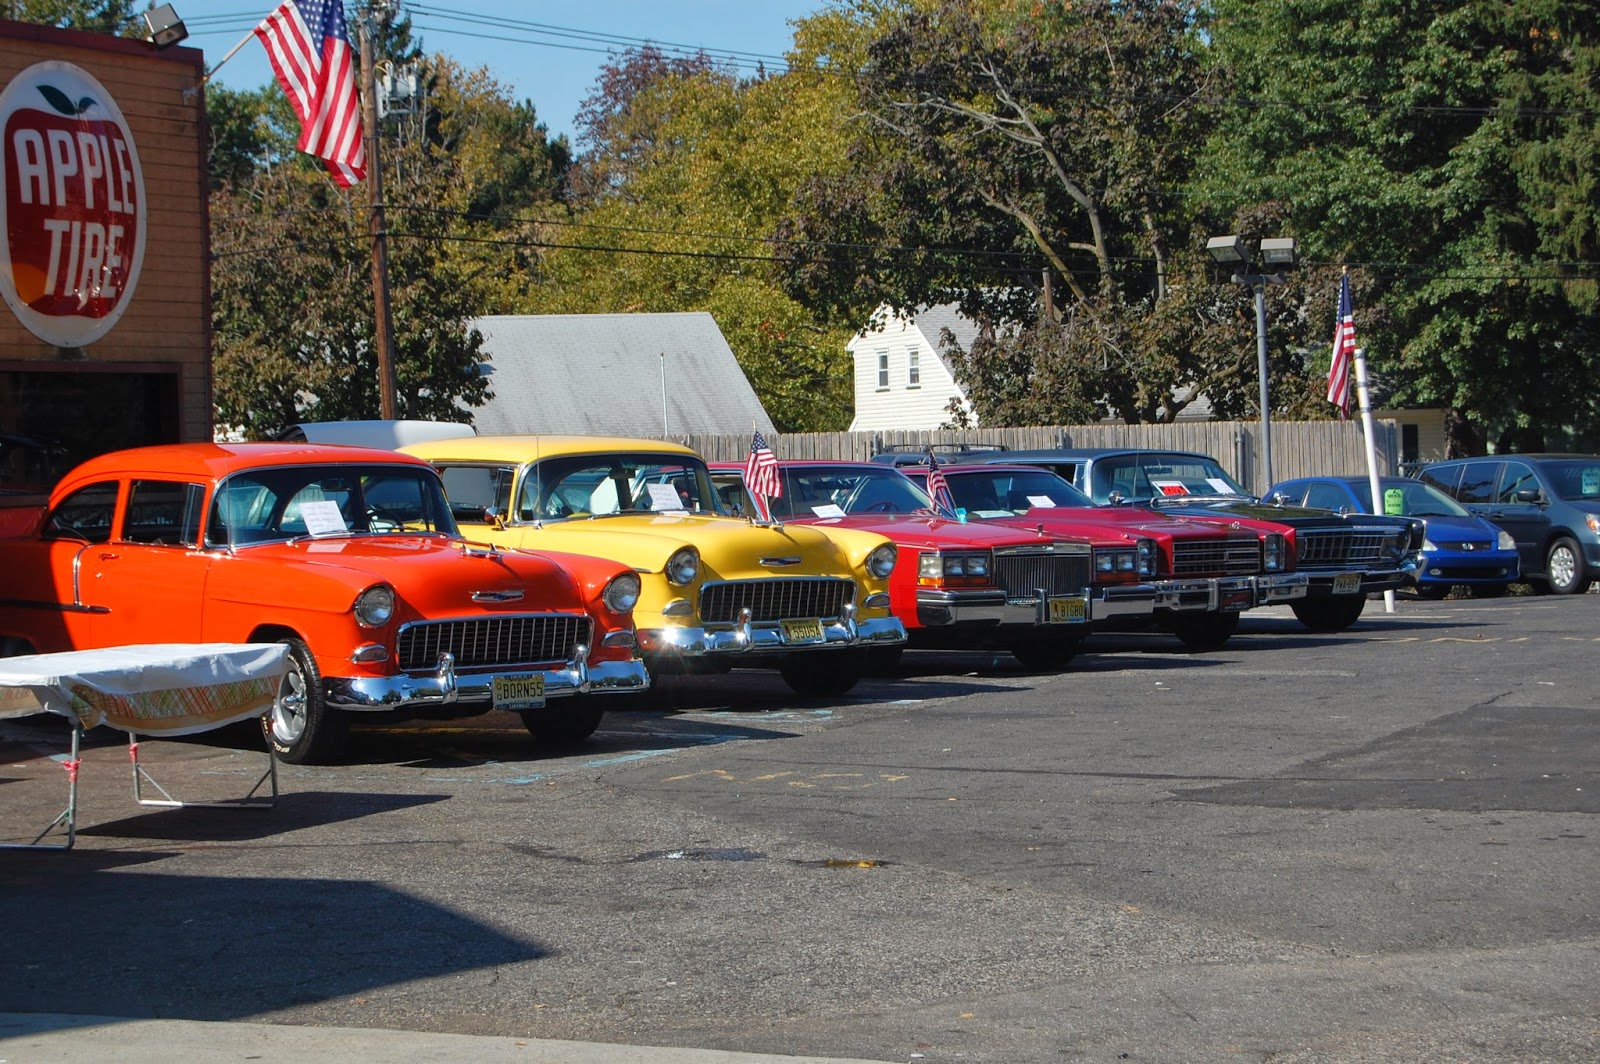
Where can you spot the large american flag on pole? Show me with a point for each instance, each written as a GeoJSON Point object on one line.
{"type": "Point", "coordinates": [309, 49]}
{"type": "Point", "coordinates": [1344, 349]}
{"type": "Point", "coordinates": [761, 476]}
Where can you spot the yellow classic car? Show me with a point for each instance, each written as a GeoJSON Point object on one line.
{"type": "Point", "coordinates": [718, 590]}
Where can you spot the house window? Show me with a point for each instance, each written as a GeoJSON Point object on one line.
{"type": "Point", "coordinates": [914, 370]}
{"type": "Point", "coordinates": [883, 371]}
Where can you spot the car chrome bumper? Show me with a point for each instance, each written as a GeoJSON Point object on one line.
{"type": "Point", "coordinates": [748, 636]}
{"type": "Point", "coordinates": [1123, 600]}
{"type": "Point", "coordinates": [1206, 594]}
{"type": "Point", "coordinates": [474, 691]}
{"type": "Point", "coordinates": [990, 608]}
{"type": "Point", "coordinates": [1280, 587]}
{"type": "Point", "coordinates": [1321, 585]}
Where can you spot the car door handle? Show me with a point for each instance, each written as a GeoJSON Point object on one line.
{"type": "Point", "coordinates": [109, 556]}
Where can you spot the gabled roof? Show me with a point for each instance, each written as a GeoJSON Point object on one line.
{"type": "Point", "coordinates": [605, 374]}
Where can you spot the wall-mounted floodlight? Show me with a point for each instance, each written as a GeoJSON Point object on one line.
{"type": "Point", "coordinates": [1277, 251]}
{"type": "Point", "coordinates": [1227, 250]}
{"type": "Point", "coordinates": [166, 28]}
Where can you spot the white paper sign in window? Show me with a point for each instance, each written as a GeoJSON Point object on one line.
{"type": "Point", "coordinates": [1220, 486]}
{"type": "Point", "coordinates": [1038, 501]}
{"type": "Point", "coordinates": [664, 497]}
{"type": "Point", "coordinates": [827, 509]}
{"type": "Point", "coordinates": [322, 517]}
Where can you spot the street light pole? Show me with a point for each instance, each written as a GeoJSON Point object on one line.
{"type": "Point", "coordinates": [1261, 370]}
{"type": "Point", "coordinates": [1275, 251]}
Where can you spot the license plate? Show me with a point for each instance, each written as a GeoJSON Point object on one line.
{"type": "Point", "coordinates": [519, 692]}
{"type": "Point", "coordinates": [1067, 611]}
{"type": "Point", "coordinates": [801, 631]}
{"type": "Point", "coordinates": [1234, 601]}
{"type": "Point", "coordinates": [1347, 583]}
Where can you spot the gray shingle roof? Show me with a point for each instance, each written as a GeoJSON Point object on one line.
{"type": "Point", "coordinates": [602, 374]}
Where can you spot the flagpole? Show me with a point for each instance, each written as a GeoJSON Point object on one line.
{"type": "Point", "coordinates": [383, 320]}
{"type": "Point", "coordinates": [1372, 449]}
{"type": "Point", "coordinates": [231, 53]}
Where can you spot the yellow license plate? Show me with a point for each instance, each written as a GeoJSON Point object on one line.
{"type": "Point", "coordinates": [519, 692]}
{"type": "Point", "coordinates": [1347, 583]}
{"type": "Point", "coordinates": [802, 631]}
{"type": "Point", "coordinates": [1067, 611]}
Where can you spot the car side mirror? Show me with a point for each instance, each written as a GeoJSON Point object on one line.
{"type": "Point", "coordinates": [494, 518]}
{"type": "Point", "coordinates": [1116, 498]}
{"type": "Point", "coordinates": [1528, 495]}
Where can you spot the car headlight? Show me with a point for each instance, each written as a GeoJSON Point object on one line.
{"type": "Point", "coordinates": [1505, 541]}
{"type": "Point", "coordinates": [683, 566]}
{"type": "Point", "coordinates": [880, 563]}
{"type": "Point", "coordinates": [1116, 561]}
{"type": "Point", "coordinates": [1429, 545]}
{"type": "Point", "coordinates": [622, 594]}
{"type": "Point", "coordinates": [935, 566]}
{"type": "Point", "coordinates": [1593, 521]}
{"type": "Point", "coordinates": [1147, 557]}
{"type": "Point", "coordinates": [1274, 551]}
{"type": "Point", "coordinates": [374, 606]}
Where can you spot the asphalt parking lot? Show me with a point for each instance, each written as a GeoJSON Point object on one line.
{"type": "Point", "coordinates": [1377, 845]}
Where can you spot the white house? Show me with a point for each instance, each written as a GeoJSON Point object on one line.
{"type": "Point", "coordinates": [901, 380]}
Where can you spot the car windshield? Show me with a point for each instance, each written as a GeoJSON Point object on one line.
{"type": "Point", "coordinates": [821, 491]}
{"type": "Point", "coordinates": [1011, 492]}
{"type": "Point", "coordinates": [604, 485]}
{"type": "Point", "coordinates": [1160, 476]}
{"type": "Point", "coordinates": [1573, 478]}
{"type": "Point", "coordinates": [1408, 498]}
{"type": "Point", "coordinates": [274, 505]}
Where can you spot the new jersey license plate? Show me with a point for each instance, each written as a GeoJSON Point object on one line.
{"type": "Point", "coordinates": [1347, 583]}
{"type": "Point", "coordinates": [806, 630]}
{"type": "Point", "coordinates": [519, 692]}
{"type": "Point", "coordinates": [1067, 611]}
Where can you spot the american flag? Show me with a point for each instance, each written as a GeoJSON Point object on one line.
{"type": "Point", "coordinates": [938, 486]}
{"type": "Point", "coordinates": [761, 478]}
{"type": "Point", "coordinates": [1344, 348]}
{"type": "Point", "coordinates": [310, 52]}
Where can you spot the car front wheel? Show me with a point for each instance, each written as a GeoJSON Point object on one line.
{"type": "Point", "coordinates": [301, 729]}
{"type": "Point", "coordinates": [1332, 614]}
{"type": "Point", "coordinates": [824, 674]}
{"type": "Point", "coordinates": [1564, 568]}
{"type": "Point", "coordinates": [562, 727]}
{"type": "Point", "coordinates": [1205, 631]}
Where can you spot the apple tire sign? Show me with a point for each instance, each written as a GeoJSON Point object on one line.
{"type": "Point", "coordinates": [72, 202]}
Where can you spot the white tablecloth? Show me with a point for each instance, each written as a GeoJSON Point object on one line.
{"type": "Point", "coordinates": [158, 689]}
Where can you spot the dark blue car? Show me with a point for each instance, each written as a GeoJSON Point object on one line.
{"type": "Point", "coordinates": [1459, 548]}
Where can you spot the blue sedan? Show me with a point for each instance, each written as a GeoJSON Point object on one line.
{"type": "Point", "coordinates": [1460, 548]}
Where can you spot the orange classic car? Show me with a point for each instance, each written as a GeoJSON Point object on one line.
{"type": "Point", "coordinates": [349, 556]}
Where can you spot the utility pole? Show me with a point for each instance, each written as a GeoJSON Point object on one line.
{"type": "Point", "coordinates": [383, 320]}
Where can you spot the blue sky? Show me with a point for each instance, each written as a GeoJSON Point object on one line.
{"type": "Point", "coordinates": [545, 52]}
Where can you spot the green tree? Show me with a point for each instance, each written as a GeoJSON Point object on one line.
{"type": "Point", "coordinates": [121, 17]}
{"type": "Point", "coordinates": [1007, 140]}
{"type": "Point", "coordinates": [293, 306]}
{"type": "Point", "coordinates": [690, 167]}
{"type": "Point", "coordinates": [1449, 150]}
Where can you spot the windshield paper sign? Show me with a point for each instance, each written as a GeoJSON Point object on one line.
{"type": "Point", "coordinates": [73, 203]}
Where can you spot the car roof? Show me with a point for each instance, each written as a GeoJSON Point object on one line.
{"type": "Point", "coordinates": [531, 448]}
{"type": "Point", "coordinates": [220, 459]}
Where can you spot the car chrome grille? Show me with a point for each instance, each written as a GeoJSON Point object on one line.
{"type": "Point", "coordinates": [1023, 572]}
{"type": "Point", "coordinates": [1224, 556]}
{"type": "Point", "coordinates": [492, 642]}
{"type": "Point", "coordinates": [775, 598]}
{"type": "Point", "coordinates": [1344, 547]}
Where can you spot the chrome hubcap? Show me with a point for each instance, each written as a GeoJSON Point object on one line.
{"type": "Point", "coordinates": [289, 711]}
{"type": "Point", "coordinates": [1563, 566]}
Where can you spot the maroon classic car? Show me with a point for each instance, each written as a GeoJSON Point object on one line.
{"type": "Point", "coordinates": [969, 586]}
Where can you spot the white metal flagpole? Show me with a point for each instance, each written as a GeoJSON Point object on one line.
{"type": "Point", "coordinates": [1372, 449]}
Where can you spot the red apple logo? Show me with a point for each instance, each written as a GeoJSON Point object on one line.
{"type": "Point", "coordinates": [72, 197]}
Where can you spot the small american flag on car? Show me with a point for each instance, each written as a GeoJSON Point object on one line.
{"type": "Point", "coordinates": [761, 478]}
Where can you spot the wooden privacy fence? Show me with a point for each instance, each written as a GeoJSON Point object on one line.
{"type": "Point", "coordinates": [1299, 448]}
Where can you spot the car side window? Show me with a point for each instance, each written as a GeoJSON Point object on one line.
{"type": "Point", "coordinates": [1328, 497]}
{"type": "Point", "coordinates": [84, 515]}
{"type": "Point", "coordinates": [1445, 478]}
{"type": "Point", "coordinates": [1477, 482]}
{"type": "Point", "coordinates": [473, 490]}
{"type": "Point", "coordinates": [163, 512]}
{"type": "Point", "coordinates": [1515, 477]}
